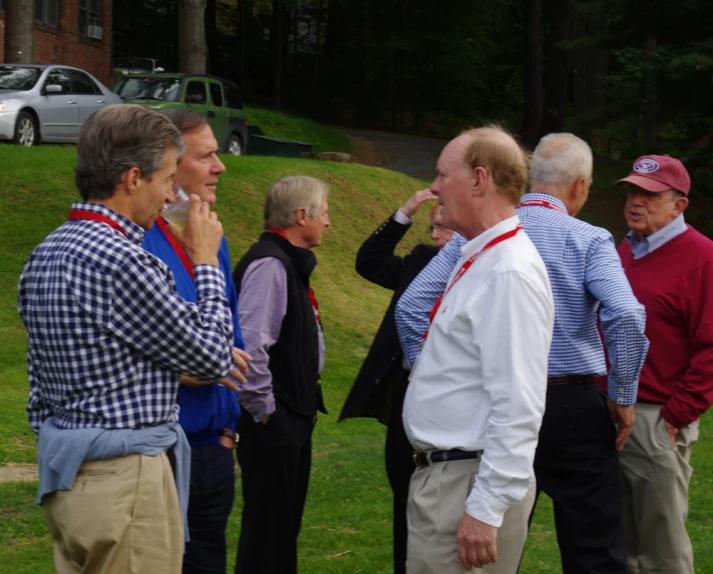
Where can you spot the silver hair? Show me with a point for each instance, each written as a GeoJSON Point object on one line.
{"type": "Point", "coordinates": [289, 194]}
{"type": "Point", "coordinates": [559, 159]}
{"type": "Point", "coordinates": [117, 138]}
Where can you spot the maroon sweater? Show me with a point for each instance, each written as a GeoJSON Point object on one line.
{"type": "Point", "coordinates": [675, 285]}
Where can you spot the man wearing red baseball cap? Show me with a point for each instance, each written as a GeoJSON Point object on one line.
{"type": "Point", "coordinates": [670, 267]}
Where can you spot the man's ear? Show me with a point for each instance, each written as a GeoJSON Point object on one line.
{"type": "Point", "coordinates": [131, 179]}
{"type": "Point", "coordinates": [301, 216]}
{"type": "Point", "coordinates": [480, 180]}
{"type": "Point", "coordinates": [681, 205]}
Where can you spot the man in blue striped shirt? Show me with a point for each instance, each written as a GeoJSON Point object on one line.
{"type": "Point", "coordinates": [576, 462]}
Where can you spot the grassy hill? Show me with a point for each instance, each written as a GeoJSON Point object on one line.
{"type": "Point", "coordinates": [347, 520]}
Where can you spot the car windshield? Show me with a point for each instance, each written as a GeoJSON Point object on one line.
{"type": "Point", "coordinates": [17, 78]}
{"type": "Point", "coordinates": [148, 88]}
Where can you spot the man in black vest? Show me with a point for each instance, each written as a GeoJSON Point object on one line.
{"type": "Point", "coordinates": [282, 331]}
{"type": "Point", "coordinates": [380, 387]}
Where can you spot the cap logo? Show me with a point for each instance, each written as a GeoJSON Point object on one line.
{"type": "Point", "coordinates": [646, 166]}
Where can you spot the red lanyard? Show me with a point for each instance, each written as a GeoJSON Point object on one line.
{"type": "Point", "coordinates": [465, 267]}
{"type": "Point", "coordinates": [92, 216]}
{"type": "Point", "coordinates": [542, 203]}
{"type": "Point", "coordinates": [312, 298]}
{"type": "Point", "coordinates": [176, 247]}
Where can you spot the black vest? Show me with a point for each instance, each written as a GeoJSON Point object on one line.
{"type": "Point", "coordinates": [294, 358]}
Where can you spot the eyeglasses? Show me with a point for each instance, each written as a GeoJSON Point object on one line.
{"type": "Point", "coordinates": [437, 228]}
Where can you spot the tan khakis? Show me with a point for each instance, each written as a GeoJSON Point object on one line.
{"type": "Point", "coordinates": [436, 505]}
{"type": "Point", "coordinates": [122, 516]}
{"type": "Point", "coordinates": [655, 478]}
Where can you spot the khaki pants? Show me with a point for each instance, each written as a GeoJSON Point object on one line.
{"type": "Point", "coordinates": [655, 477]}
{"type": "Point", "coordinates": [436, 505]}
{"type": "Point", "coordinates": [121, 517]}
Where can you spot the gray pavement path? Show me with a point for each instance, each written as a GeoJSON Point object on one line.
{"type": "Point", "coordinates": [412, 155]}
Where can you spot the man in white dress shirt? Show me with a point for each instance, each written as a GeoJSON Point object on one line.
{"type": "Point", "coordinates": [477, 393]}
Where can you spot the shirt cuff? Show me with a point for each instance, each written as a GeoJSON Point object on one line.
{"type": "Point", "coordinates": [260, 407]}
{"type": "Point", "coordinates": [209, 278]}
{"type": "Point", "coordinates": [488, 510]}
{"type": "Point", "coordinates": [402, 218]}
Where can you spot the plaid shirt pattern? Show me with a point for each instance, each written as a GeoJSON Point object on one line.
{"type": "Point", "coordinates": [108, 334]}
{"type": "Point", "coordinates": [586, 276]}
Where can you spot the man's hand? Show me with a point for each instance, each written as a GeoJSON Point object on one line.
{"type": "Point", "coordinates": [202, 235]}
{"type": "Point", "coordinates": [264, 421]}
{"type": "Point", "coordinates": [476, 542]}
{"type": "Point", "coordinates": [417, 200]}
{"type": "Point", "coordinates": [672, 432]}
{"type": "Point", "coordinates": [624, 418]}
{"type": "Point", "coordinates": [240, 360]}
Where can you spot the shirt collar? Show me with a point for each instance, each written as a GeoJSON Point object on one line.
{"type": "Point", "coordinates": [477, 243]}
{"type": "Point", "coordinates": [661, 237]}
{"type": "Point", "coordinates": [134, 232]}
{"type": "Point", "coordinates": [545, 197]}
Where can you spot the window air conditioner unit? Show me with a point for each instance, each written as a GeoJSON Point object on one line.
{"type": "Point", "coordinates": [94, 32]}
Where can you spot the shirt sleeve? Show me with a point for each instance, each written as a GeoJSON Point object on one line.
{"type": "Point", "coordinates": [519, 315]}
{"type": "Point", "coordinates": [139, 306]}
{"type": "Point", "coordinates": [262, 307]}
{"type": "Point", "coordinates": [414, 306]}
{"type": "Point", "coordinates": [623, 319]}
{"type": "Point", "coordinates": [694, 393]}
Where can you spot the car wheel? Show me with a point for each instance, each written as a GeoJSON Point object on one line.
{"type": "Point", "coordinates": [234, 147]}
{"type": "Point", "coordinates": [25, 130]}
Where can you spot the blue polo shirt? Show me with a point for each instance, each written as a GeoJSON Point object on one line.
{"type": "Point", "coordinates": [205, 410]}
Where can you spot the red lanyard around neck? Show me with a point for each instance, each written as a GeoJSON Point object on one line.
{"type": "Point", "coordinates": [312, 298]}
{"type": "Point", "coordinates": [93, 216]}
{"type": "Point", "coordinates": [176, 247]}
{"type": "Point", "coordinates": [542, 203]}
{"type": "Point", "coordinates": [465, 267]}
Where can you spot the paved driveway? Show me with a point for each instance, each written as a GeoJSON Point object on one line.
{"type": "Point", "coordinates": [414, 156]}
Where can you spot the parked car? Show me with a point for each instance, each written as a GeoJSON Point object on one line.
{"type": "Point", "coordinates": [215, 98]}
{"type": "Point", "coordinates": [124, 66]}
{"type": "Point", "coordinates": [43, 103]}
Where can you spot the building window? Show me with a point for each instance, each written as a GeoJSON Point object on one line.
{"type": "Point", "coordinates": [47, 12]}
{"type": "Point", "coordinates": [2, 5]}
{"type": "Point", "coordinates": [90, 18]}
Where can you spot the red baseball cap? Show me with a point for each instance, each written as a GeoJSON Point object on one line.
{"type": "Point", "coordinates": [658, 173]}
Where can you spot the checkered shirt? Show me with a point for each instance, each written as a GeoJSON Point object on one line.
{"type": "Point", "coordinates": [107, 333]}
{"type": "Point", "coordinates": [586, 276]}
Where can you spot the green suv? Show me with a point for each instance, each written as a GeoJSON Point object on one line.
{"type": "Point", "coordinates": [216, 99]}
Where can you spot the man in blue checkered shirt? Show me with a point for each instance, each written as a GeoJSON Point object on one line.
{"type": "Point", "coordinates": [108, 340]}
{"type": "Point", "coordinates": [576, 462]}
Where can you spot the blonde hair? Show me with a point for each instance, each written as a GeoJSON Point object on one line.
{"type": "Point", "coordinates": [495, 149]}
{"type": "Point", "coordinates": [289, 194]}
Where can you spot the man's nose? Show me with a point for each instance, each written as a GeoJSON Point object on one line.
{"type": "Point", "coordinates": [219, 166]}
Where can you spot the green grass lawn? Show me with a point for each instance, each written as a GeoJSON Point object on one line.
{"type": "Point", "coordinates": [278, 124]}
{"type": "Point", "coordinates": [347, 520]}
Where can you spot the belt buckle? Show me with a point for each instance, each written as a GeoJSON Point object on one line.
{"type": "Point", "coordinates": [421, 459]}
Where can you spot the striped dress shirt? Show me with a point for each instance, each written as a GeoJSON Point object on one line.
{"type": "Point", "coordinates": [586, 276]}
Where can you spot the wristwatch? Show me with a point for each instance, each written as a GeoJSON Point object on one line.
{"type": "Point", "coordinates": [230, 433]}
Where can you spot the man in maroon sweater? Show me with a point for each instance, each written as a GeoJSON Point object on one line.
{"type": "Point", "coordinates": [670, 267]}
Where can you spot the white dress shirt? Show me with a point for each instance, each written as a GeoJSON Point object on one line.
{"type": "Point", "coordinates": [481, 379]}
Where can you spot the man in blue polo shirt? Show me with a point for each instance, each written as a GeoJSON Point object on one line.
{"type": "Point", "coordinates": [208, 413]}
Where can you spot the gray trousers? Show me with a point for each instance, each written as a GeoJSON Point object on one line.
{"type": "Point", "coordinates": [436, 504]}
{"type": "Point", "coordinates": [655, 479]}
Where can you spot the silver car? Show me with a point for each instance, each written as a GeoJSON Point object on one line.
{"type": "Point", "coordinates": [43, 103]}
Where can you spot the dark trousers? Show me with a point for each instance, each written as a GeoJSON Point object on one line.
{"type": "Point", "coordinates": [577, 465]}
{"type": "Point", "coordinates": [399, 468]}
{"type": "Point", "coordinates": [275, 461]}
{"type": "Point", "coordinates": [211, 500]}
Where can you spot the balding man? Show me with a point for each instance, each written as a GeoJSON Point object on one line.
{"type": "Point", "coordinates": [576, 462]}
{"type": "Point", "coordinates": [476, 397]}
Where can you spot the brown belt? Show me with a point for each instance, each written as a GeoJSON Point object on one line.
{"type": "Point", "coordinates": [569, 380]}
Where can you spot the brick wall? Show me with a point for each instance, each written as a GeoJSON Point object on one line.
{"type": "Point", "coordinates": [66, 46]}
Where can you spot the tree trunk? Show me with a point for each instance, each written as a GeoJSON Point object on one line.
{"type": "Point", "coordinates": [532, 115]}
{"type": "Point", "coordinates": [19, 29]}
{"type": "Point", "coordinates": [277, 37]}
{"type": "Point", "coordinates": [211, 35]}
{"type": "Point", "coordinates": [650, 111]}
{"type": "Point", "coordinates": [317, 49]}
{"type": "Point", "coordinates": [191, 37]}
{"type": "Point", "coordinates": [558, 68]}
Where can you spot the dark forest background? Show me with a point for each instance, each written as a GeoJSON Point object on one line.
{"type": "Point", "coordinates": [627, 76]}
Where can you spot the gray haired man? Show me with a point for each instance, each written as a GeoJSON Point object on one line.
{"type": "Point", "coordinates": [282, 331]}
